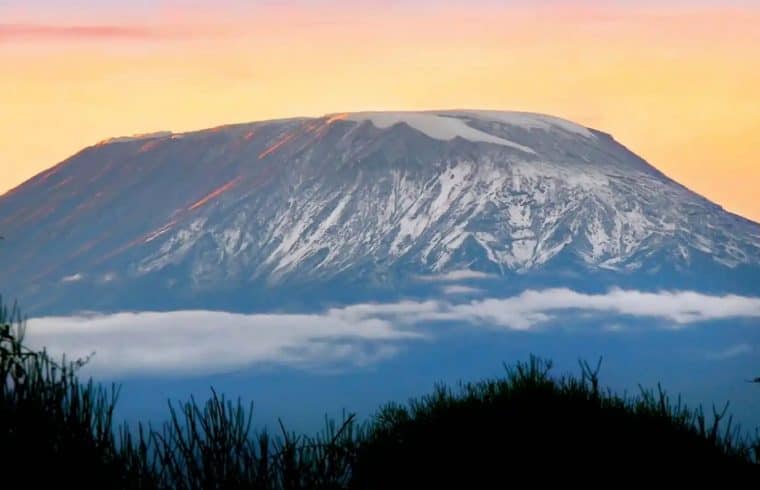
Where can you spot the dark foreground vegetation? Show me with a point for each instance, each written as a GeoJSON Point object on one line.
{"type": "Point", "coordinates": [55, 428]}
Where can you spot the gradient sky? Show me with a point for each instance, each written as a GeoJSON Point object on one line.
{"type": "Point", "coordinates": [677, 81]}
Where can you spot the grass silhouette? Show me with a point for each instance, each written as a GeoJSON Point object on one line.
{"type": "Point", "coordinates": [52, 426]}
{"type": "Point", "coordinates": [482, 431]}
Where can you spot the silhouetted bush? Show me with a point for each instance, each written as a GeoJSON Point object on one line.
{"type": "Point", "coordinates": [212, 446]}
{"type": "Point", "coordinates": [487, 431]}
{"type": "Point", "coordinates": [52, 427]}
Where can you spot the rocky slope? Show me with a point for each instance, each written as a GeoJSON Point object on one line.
{"type": "Point", "coordinates": [364, 205]}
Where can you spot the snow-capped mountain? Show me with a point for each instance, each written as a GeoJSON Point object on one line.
{"type": "Point", "coordinates": [360, 204]}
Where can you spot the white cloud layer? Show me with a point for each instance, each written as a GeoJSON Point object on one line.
{"type": "Point", "coordinates": [458, 289]}
{"type": "Point", "coordinates": [533, 307]}
{"type": "Point", "coordinates": [207, 341]}
{"type": "Point", "coordinates": [456, 275]}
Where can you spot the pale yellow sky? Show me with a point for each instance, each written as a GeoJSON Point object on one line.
{"type": "Point", "coordinates": [680, 87]}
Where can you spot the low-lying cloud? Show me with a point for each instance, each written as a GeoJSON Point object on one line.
{"type": "Point", "coordinates": [72, 278]}
{"type": "Point", "coordinates": [455, 275]}
{"type": "Point", "coordinates": [533, 307]}
{"type": "Point", "coordinates": [207, 341]}
{"type": "Point", "coordinates": [203, 341]}
{"type": "Point", "coordinates": [458, 289]}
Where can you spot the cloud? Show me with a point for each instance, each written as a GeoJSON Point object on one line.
{"type": "Point", "coordinates": [73, 278]}
{"type": "Point", "coordinates": [532, 307]}
{"type": "Point", "coordinates": [108, 277]}
{"type": "Point", "coordinates": [614, 327]}
{"type": "Point", "coordinates": [455, 289]}
{"type": "Point", "coordinates": [730, 352]}
{"type": "Point", "coordinates": [360, 334]}
{"type": "Point", "coordinates": [207, 341]}
{"type": "Point", "coordinates": [38, 31]}
{"type": "Point", "coordinates": [456, 275]}
{"type": "Point", "coordinates": [102, 32]}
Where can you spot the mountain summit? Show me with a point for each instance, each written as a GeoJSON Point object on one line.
{"type": "Point", "coordinates": [360, 205]}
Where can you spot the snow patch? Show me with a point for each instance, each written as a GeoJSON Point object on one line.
{"type": "Point", "coordinates": [529, 120]}
{"type": "Point", "coordinates": [437, 126]}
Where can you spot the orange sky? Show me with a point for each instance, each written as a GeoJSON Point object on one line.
{"type": "Point", "coordinates": [678, 85]}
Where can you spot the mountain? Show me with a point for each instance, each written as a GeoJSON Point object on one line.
{"type": "Point", "coordinates": [303, 211]}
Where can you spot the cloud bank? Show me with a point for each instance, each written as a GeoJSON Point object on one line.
{"type": "Point", "coordinates": [533, 307]}
{"type": "Point", "coordinates": [207, 341]}
{"type": "Point", "coordinates": [360, 334]}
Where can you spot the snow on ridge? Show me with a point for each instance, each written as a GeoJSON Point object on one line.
{"type": "Point", "coordinates": [435, 125]}
{"type": "Point", "coordinates": [529, 120]}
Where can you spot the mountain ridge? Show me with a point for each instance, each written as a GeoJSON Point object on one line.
{"type": "Point", "coordinates": [370, 199]}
